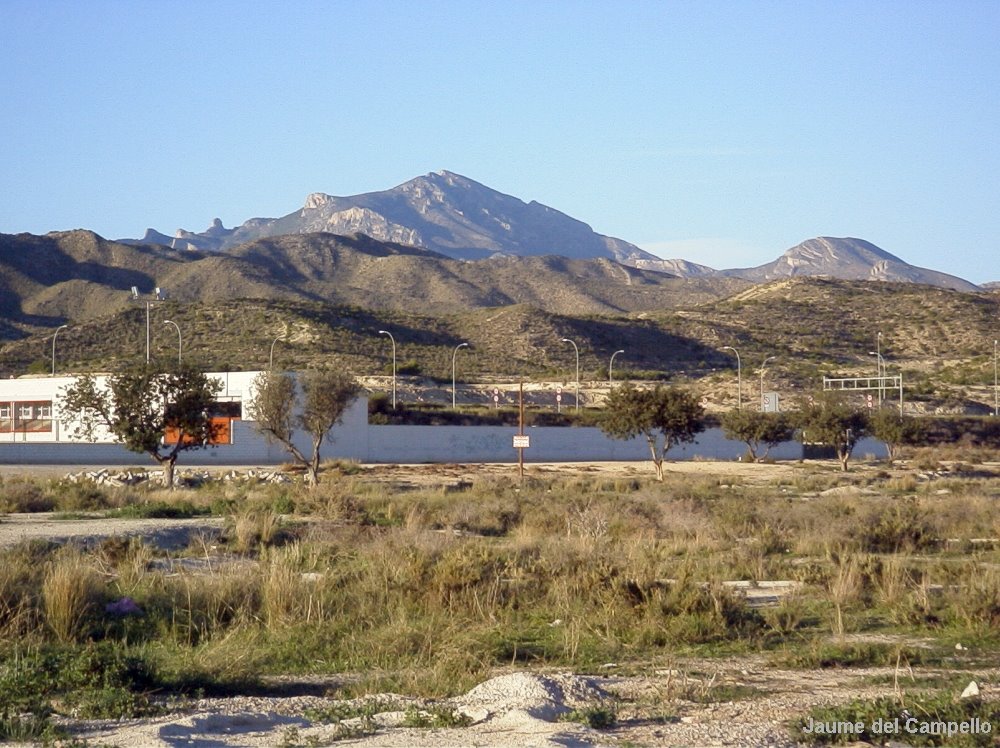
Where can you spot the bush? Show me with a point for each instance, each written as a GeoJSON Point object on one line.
{"type": "Point", "coordinates": [18, 495]}
{"type": "Point", "coordinates": [96, 682]}
{"type": "Point", "coordinates": [899, 525]}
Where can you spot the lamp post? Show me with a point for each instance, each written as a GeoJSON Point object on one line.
{"type": "Point", "coordinates": [577, 350]}
{"type": "Point", "coordinates": [611, 365]}
{"type": "Point", "coordinates": [454, 355]}
{"type": "Point", "coordinates": [386, 332]}
{"type": "Point", "coordinates": [762, 367]}
{"type": "Point", "coordinates": [157, 296]}
{"type": "Point", "coordinates": [739, 376]}
{"type": "Point", "coordinates": [881, 373]}
{"type": "Point", "coordinates": [180, 344]}
{"type": "Point", "coordinates": [54, 336]}
{"type": "Point", "coordinates": [270, 357]}
{"type": "Point", "coordinates": [881, 366]}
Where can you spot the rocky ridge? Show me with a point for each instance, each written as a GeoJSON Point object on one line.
{"type": "Point", "coordinates": [442, 211]}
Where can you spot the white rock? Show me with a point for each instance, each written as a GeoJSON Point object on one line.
{"type": "Point", "coordinates": [971, 690]}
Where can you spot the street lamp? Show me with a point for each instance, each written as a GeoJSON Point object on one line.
{"type": "Point", "coordinates": [881, 372]}
{"type": "Point", "coordinates": [386, 332]}
{"type": "Point", "coordinates": [878, 352]}
{"type": "Point", "coordinates": [612, 363]}
{"type": "Point", "coordinates": [762, 367]}
{"type": "Point", "coordinates": [179, 342]}
{"type": "Point", "coordinates": [567, 340]}
{"type": "Point", "coordinates": [54, 336]}
{"type": "Point", "coordinates": [453, 356]}
{"type": "Point", "coordinates": [739, 376]}
{"type": "Point", "coordinates": [157, 296]}
{"type": "Point", "coordinates": [270, 357]}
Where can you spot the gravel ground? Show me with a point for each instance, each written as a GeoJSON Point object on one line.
{"type": "Point", "coordinates": [165, 533]}
{"type": "Point", "coordinates": [526, 709]}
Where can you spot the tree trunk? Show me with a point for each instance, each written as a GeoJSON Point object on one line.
{"type": "Point", "coordinates": [844, 457]}
{"type": "Point", "coordinates": [168, 472]}
{"type": "Point", "coordinates": [657, 459]}
{"type": "Point", "coordinates": [313, 474]}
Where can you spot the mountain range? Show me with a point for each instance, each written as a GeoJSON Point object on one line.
{"type": "Point", "coordinates": [460, 218]}
{"type": "Point", "coordinates": [47, 280]}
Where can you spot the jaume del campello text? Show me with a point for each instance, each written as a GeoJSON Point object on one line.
{"type": "Point", "coordinates": [899, 726]}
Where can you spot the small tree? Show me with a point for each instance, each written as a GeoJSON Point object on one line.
{"type": "Point", "coordinates": [669, 412]}
{"type": "Point", "coordinates": [279, 411]}
{"type": "Point", "coordinates": [889, 426]}
{"type": "Point", "coordinates": [757, 430]}
{"type": "Point", "coordinates": [829, 420]}
{"type": "Point", "coordinates": [140, 406]}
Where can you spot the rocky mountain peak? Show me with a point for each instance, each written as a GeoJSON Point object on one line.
{"type": "Point", "coordinates": [847, 258]}
{"type": "Point", "coordinates": [441, 211]}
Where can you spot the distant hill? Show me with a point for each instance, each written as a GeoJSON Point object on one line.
{"type": "Point", "coordinates": [941, 340]}
{"type": "Point", "coordinates": [681, 268]}
{"type": "Point", "coordinates": [441, 211]}
{"type": "Point", "coordinates": [847, 259]}
{"type": "Point", "coordinates": [47, 280]}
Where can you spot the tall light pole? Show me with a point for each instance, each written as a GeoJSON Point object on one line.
{"type": "Point", "coordinates": [386, 332]}
{"type": "Point", "coordinates": [180, 344]}
{"type": "Point", "coordinates": [881, 373]}
{"type": "Point", "coordinates": [996, 410]}
{"type": "Point", "coordinates": [762, 367]}
{"type": "Point", "coordinates": [567, 340]}
{"type": "Point", "coordinates": [739, 376]}
{"type": "Point", "coordinates": [611, 365]}
{"type": "Point", "coordinates": [54, 336]}
{"type": "Point", "coordinates": [157, 296]}
{"type": "Point", "coordinates": [454, 354]}
{"type": "Point", "coordinates": [270, 358]}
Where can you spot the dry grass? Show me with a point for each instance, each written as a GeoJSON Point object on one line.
{"type": "Point", "coordinates": [427, 589]}
{"type": "Point", "coordinates": [70, 593]}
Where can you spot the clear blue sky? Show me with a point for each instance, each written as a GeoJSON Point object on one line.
{"type": "Point", "coordinates": [720, 132]}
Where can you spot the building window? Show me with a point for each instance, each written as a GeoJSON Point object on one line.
{"type": "Point", "coordinates": [30, 417]}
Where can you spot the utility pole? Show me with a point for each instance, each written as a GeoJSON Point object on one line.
{"type": "Point", "coordinates": [520, 430]}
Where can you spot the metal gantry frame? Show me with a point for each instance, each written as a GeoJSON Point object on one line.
{"type": "Point", "coordinates": [880, 384]}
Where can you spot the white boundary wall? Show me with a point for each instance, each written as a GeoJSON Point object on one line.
{"type": "Point", "coordinates": [356, 439]}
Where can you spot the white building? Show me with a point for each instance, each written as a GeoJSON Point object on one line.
{"type": "Point", "coordinates": [30, 411]}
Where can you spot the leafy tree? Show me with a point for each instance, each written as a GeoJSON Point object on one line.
{"type": "Point", "coordinates": [138, 406]}
{"type": "Point", "coordinates": [757, 430]}
{"type": "Point", "coordinates": [830, 420]}
{"type": "Point", "coordinates": [279, 410]}
{"type": "Point", "coordinates": [894, 429]}
{"type": "Point", "coordinates": [667, 412]}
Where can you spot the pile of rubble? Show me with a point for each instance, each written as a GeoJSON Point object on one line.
{"type": "Point", "coordinates": [255, 474]}
{"type": "Point", "coordinates": [115, 478]}
{"type": "Point", "coordinates": [190, 478]}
